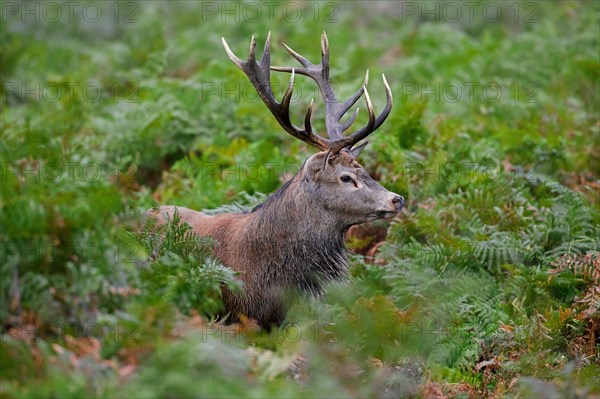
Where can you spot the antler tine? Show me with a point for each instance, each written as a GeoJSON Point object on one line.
{"type": "Point", "coordinates": [230, 54]}
{"type": "Point", "coordinates": [373, 123]}
{"type": "Point", "coordinates": [303, 61]}
{"type": "Point", "coordinates": [259, 74]}
{"type": "Point", "coordinates": [370, 110]}
{"type": "Point", "coordinates": [350, 121]}
{"type": "Point", "coordinates": [388, 103]}
{"type": "Point", "coordinates": [346, 105]}
{"type": "Point", "coordinates": [251, 52]}
{"type": "Point", "coordinates": [266, 57]}
{"type": "Point", "coordinates": [307, 118]}
{"type": "Point", "coordinates": [324, 57]}
{"type": "Point", "coordinates": [287, 96]}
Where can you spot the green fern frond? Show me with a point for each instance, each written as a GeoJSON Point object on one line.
{"type": "Point", "coordinates": [245, 204]}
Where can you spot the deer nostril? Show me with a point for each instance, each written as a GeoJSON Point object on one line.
{"type": "Point", "coordinates": [398, 201]}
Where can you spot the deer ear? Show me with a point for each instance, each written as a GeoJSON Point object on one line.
{"type": "Point", "coordinates": [358, 149]}
{"type": "Point", "coordinates": [314, 164]}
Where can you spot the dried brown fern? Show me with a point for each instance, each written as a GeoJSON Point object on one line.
{"type": "Point", "coordinates": [586, 307]}
{"type": "Point", "coordinates": [586, 266]}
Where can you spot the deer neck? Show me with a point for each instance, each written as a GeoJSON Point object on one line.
{"type": "Point", "coordinates": [295, 213]}
{"type": "Point", "coordinates": [294, 232]}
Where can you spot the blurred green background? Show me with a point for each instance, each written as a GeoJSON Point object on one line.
{"type": "Point", "coordinates": [485, 286]}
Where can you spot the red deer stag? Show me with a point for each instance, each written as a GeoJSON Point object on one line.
{"type": "Point", "coordinates": [295, 239]}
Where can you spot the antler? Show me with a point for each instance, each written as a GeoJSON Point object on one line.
{"type": "Point", "coordinates": [259, 75]}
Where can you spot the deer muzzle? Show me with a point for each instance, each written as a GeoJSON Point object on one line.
{"type": "Point", "coordinates": [392, 207]}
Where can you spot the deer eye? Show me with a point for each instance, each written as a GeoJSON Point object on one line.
{"type": "Point", "coordinates": [346, 179]}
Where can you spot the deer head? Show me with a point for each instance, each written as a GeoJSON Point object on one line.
{"type": "Point", "coordinates": [332, 179]}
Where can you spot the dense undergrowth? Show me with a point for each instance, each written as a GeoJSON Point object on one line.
{"type": "Point", "coordinates": [485, 286]}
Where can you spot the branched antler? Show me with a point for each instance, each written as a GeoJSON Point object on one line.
{"type": "Point", "coordinates": [259, 74]}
